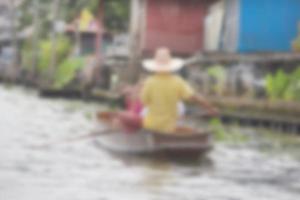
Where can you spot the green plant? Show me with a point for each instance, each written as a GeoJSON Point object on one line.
{"type": "Point", "coordinates": [67, 70]}
{"type": "Point", "coordinates": [284, 86]}
{"type": "Point", "coordinates": [292, 92]}
{"type": "Point", "coordinates": [276, 84]}
{"type": "Point", "coordinates": [216, 71]}
{"type": "Point", "coordinates": [93, 5]}
{"type": "Point", "coordinates": [219, 74]}
{"type": "Point", "coordinates": [62, 50]}
{"type": "Point", "coordinates": [117, 14]}
{"type": "Point", "coordinates": [44, 53]}
{"type": "Point", "coordinates": [218, 129]}
{"type": "Point", "coordinates": [26, 55]}
{"type": "Point", "coordinates": [229, 135]}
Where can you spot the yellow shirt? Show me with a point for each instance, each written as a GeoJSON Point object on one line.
{"type": "Point", "coordinates": [160, 95]}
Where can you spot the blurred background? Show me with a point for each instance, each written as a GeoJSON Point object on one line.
{"type": "Point", "coordinates": [62, 60]}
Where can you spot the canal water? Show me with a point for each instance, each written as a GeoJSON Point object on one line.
{"type": "Point", "coordinates": [82, 171]}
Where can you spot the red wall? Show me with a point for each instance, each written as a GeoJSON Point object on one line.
{"type": "Point", "coordinates": [177, 24]}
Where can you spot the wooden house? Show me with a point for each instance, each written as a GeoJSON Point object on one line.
{"type": "Point", "coordinates": [86, 31]}
{"type": "Point", "coordinates": [243, 26]}
{"type": "Point", "coordinates": [176, 24]}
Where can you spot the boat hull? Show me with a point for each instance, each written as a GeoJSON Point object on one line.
{"type": "Point", "coordinates": [147, 142]}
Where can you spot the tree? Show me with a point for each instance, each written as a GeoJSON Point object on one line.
{"type": "Point", "coordinates": [116, 16]}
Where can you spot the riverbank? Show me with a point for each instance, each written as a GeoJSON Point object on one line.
{"type": "Point", "coordinates": [234, 82]}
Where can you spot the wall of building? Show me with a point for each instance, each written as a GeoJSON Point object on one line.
{"type": "Point", "coordinates": [177, 24]}
{"type": "Point", "coordinates": [230, 33]}
{"type": "Point", "coordinates": [213, 28]}
{"type": "Point", "coordinates": [268, 25]}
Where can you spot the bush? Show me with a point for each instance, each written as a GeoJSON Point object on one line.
{"type": "Point", "coordinates": [63, 47]}
{"type": "Point", "coordinates": [44, 53]}
{"type": "Point", "coordinates": [218, 73]}
{"type": "Point", "coordinates": [117, 15]}
{"type": "Point", "coordinates": [228, 135]}
{"type": "Point", "coordinates": [284, 86]}
{"type": "Point", "coordinates": [26, 55]}
{"type": "Point", "coordinates": [293, 90]}
{"type": "Point", "coordinates": [276, 84]}
{"type": "Point", "coordinates": [67, 71]}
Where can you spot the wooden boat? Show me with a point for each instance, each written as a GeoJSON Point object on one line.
{"type": "Point", "coordinates": [186, 142]}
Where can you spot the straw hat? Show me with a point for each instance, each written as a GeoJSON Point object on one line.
{"type": "Point", "coordinates": [163, 62]}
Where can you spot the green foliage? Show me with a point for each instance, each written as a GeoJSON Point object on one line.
{"type": "Point", "coordinates": [26, 55]}
{"type": "Point", "coordinates": [68, 10]}
{"type": "Point", "coordinates": [44, 54]}
{"type": "Point", "coordinates": [116, 17]}
{"type": "Point", "coordinates": [42, 8]}
{"type": "Point", "coordinates": [276, 84]}
{"type": "Point", "coordinates": [218, 129]}
{"type": "Point", "coordinates": [217, 72]}
{"type": "Point", "coordinates": [25, 18]}
{"type": "Point", "coordinates": [283, 86]}
{"type": "Point", "coordinates": [67, 71]}
{"type": "Point", "coordinates": [292, 92]}
{"type": "Point", "coordinates": [229, 135]}
{"type": "Point", "coordinates": [62, 50]}
{"type": "Point", "coordinates": [93, 6]}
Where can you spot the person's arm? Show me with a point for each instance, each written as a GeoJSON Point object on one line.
{"type": "Point", "coordinates": [188, 94]}
{"type": "Point", "coordinates": [201, 101]}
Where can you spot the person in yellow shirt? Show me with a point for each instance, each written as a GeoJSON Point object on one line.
{"type": "Point", "coordinates": [163, 91]}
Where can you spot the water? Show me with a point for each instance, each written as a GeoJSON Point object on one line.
{"type": "Point", "coordinates": [82, 171]}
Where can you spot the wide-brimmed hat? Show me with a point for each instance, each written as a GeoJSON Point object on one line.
{"type": "Point", "coordinates": [163, 62]}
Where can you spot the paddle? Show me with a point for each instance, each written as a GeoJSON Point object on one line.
{"type": "Point", "coordinates": [75, 139]}
{"type": "Point", "coordinates": [89, 136]}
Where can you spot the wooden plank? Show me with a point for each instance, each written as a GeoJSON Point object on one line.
{"type": "Point", "coordinates": [136, 28]}
{"type": "Point", "coordinates": [274, 108]}
{"type": "Point", "coordinates": [233, 57]}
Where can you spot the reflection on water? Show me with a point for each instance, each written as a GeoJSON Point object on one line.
{"type": "Point", "coordinates": [82, 171]}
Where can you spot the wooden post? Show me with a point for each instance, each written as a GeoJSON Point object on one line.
{"type": "Point", "coordinates": [35, 38]}
{"type": "Point", "coordinates": [137, 20]}
{"type": "Point", "coordinates": [77, 38]}
{"type": "Point", "coordinates": [100, 17]}
{"type": "Point", "coordinates": [14, 40]}
{"type": "Point", "coordinates": [53, 61]}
